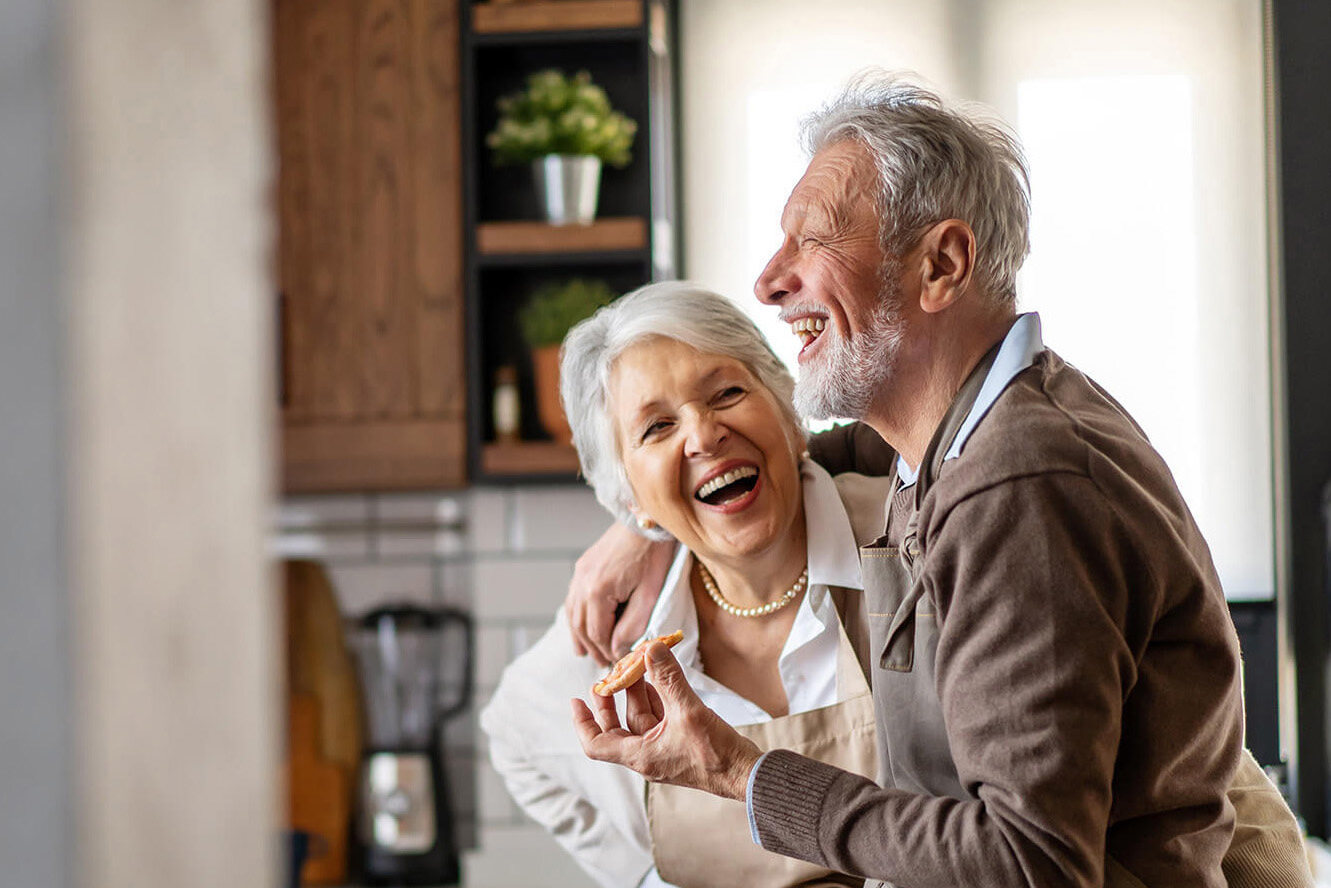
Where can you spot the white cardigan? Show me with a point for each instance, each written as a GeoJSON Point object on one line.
{"type": "Point", "coordinates": [596, 810]}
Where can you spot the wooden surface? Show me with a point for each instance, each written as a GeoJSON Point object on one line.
{"type": "Point", "coordinates": [394, 455]}
{"type": "Point", "coordinates": [529, 458]}
{"type": "Point", "coordinates": [323, 686]}
{"type": "Point", "coordinates": [318, 795]}
{"type": "Point", "coordinates": [319, 662]}
{"type": "Point", "coordinates": [508, 238]}
{"type": "Point", "coordinates": [370, 225]}
{"type": "Point", "coordinates": [555, 15]}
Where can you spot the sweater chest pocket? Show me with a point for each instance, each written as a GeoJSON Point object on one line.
{"type": "Point", "coordinates": [891, 594]}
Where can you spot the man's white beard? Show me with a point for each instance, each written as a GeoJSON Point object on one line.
{"type": "Point", "coordinates": [842, 382]}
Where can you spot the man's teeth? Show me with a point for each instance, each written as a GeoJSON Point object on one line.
{"type": "Point", "coordinates": [722, 480]}
{"type": "Point", "coordinates": [808, 329]}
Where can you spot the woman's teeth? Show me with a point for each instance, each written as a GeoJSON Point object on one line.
{"type": "Point", "coordinates": [725, 479]}
{"type": "Point", "coordinates": [808, 329]}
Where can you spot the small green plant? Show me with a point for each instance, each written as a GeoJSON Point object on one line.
{"type": "Point", "coordinates": [556, 306]}
{"type": "Point", "coordinates": [560, 115]}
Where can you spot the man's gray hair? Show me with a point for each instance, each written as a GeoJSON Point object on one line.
{"type": "Point", "coordinates": [679, 310]}
{"type": "Point", "coordinates": [935, 162]}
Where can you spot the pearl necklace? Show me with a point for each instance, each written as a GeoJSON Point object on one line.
{"type": "Point", "coordinates": [761, 610]}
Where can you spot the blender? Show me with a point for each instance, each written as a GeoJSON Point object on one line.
{"type": "Point", "coordinates": [404, 832]}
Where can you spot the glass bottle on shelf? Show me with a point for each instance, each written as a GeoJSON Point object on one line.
{"type": "Point", "coordinates": [507, 408]}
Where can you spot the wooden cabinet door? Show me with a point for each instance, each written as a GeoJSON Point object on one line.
{"type": "Point", "coordinates": [370, 256]}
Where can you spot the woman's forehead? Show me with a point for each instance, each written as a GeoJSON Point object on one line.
{"type": "Point", "coordinates": [660, 366]}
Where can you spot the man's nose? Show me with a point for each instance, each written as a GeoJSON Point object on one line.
{"type": "Point", "coordinates": [778, 279]}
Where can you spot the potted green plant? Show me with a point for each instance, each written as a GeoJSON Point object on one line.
{"type": "Point", "coordinates": [545, 319]}
{"type": "Point", "coordinates": [565, 128]}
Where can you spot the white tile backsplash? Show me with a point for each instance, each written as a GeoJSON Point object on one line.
{"type": "Point", "coordinates": [366, 585]}
{"type": "Point", "coordinates": [495, 805]}
{"type": "Point", "coordinates": [521, 855]}
{"type": "Point", "coordinates": [420, 543]}
{"type": "Point", "coordinates": [343, 544]}
{"type": "Point", "coordinates": [503, 554]}
{"type": "Point", "coordinates": [519, 587]}
{"type": "Point", "coordinates": [320, 511]}
{"type": "Point", "coordinates": [563, 518]}
{"type": "Point", "coordinates": [419, 508]}
{"type": "Point", "coordinates": [492, 654]}
{"type": "Point", "coordinates": [488, 519]}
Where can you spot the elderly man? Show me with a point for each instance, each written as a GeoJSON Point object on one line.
{"type": "Point", "coordinates": [1055, 675]}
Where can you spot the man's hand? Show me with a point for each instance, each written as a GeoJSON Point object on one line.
{"type": "Point", "coordinates": [669, 736]}
{"type": "Point", "coordinates": [621, 568]}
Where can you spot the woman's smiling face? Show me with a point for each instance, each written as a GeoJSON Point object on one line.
{"type": "Point", "coordinates": [707, 449]}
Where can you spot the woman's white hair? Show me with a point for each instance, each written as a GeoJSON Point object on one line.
{"type": "Point", "coordinates": [935, 162]}
{"type": "Point", "coordinates": [679, 310]}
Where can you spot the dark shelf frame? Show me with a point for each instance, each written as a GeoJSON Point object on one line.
{"type": "Point", "coordinates": [555, 38]}
{"type": "Point", "coordinates": [654, 87]}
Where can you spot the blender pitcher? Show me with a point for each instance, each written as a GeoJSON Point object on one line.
{"type": "Point", "coordinates": [404, 833]}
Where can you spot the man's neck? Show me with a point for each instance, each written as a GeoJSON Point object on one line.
{"type": "Point", "coordinates": [925, 381]}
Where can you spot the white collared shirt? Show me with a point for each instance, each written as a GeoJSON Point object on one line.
{"type": "Point", "coordinates": [808, 662]}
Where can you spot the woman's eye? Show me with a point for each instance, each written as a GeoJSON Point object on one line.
{"type": "Point", "coordinates": [655, 428]}
{"type": "Point", "coordinates": [729, 395]}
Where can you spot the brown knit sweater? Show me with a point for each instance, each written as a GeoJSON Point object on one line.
{"type": "Point", "coordinates": [1083, 664]}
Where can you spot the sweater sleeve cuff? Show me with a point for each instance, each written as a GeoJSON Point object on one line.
{"type": "Point", "coordinates": [785, 802]}
{"type": "Point", "coordinates": [748, 797]}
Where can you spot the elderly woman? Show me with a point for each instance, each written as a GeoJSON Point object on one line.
{"type": "Point", "coordinates": [683, 422]}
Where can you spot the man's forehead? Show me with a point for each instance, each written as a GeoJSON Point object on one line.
{"type": "Point", "coordinates": [836, 177]}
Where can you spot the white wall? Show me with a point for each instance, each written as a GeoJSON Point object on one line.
{"type": "Point", "coordinates": [167, 233]}
{"type": "Point", "coordinates": [1143, 120]}
{"type": "Point", "coordinates": [749, 70]}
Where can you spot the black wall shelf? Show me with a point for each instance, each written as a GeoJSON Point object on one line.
{"type": "Point", "coordinates": [626, 46]}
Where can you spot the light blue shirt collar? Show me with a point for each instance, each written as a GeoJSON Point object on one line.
{"type": "Point", "coordinates": [1018, 351]}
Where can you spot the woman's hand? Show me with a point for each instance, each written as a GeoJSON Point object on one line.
{"type": "Point", "coordinates": [669, 736]}
{"type": "Point", "coordinates": [621, 568]}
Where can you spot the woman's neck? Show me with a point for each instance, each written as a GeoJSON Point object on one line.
{"type": "Point", "coordinates": [755, 580]}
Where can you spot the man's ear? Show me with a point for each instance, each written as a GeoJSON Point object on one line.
{"type": "Point", "coordinates": [948, 259]}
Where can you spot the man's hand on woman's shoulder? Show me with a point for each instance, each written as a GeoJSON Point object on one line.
{"type": "Point", "coordinates": [620, 570]}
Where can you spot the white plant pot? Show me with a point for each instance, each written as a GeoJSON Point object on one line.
{"type": "Point", "coordinates": [569, 184]}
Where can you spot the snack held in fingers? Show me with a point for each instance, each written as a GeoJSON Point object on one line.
{"type": "Point", "coordinates": [632, 665]}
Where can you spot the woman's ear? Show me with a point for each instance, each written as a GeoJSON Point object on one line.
{"type": "Point", "coordinates": [948, 263]}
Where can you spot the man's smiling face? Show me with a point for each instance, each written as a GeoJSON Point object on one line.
{"type": "Point", "coordinates": [834, 286]}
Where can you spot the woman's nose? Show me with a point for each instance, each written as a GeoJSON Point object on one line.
{"type": "Point", "coordinates": [705, 435]}
{"type": "Point", "coordinates": [777, 279]}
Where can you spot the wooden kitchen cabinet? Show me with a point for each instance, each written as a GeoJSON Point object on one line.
{"type": "Point", "coordinates": [369, 197]}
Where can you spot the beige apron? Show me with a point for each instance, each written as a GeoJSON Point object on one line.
{"type": "Point", "coordinates": [703, 841]}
